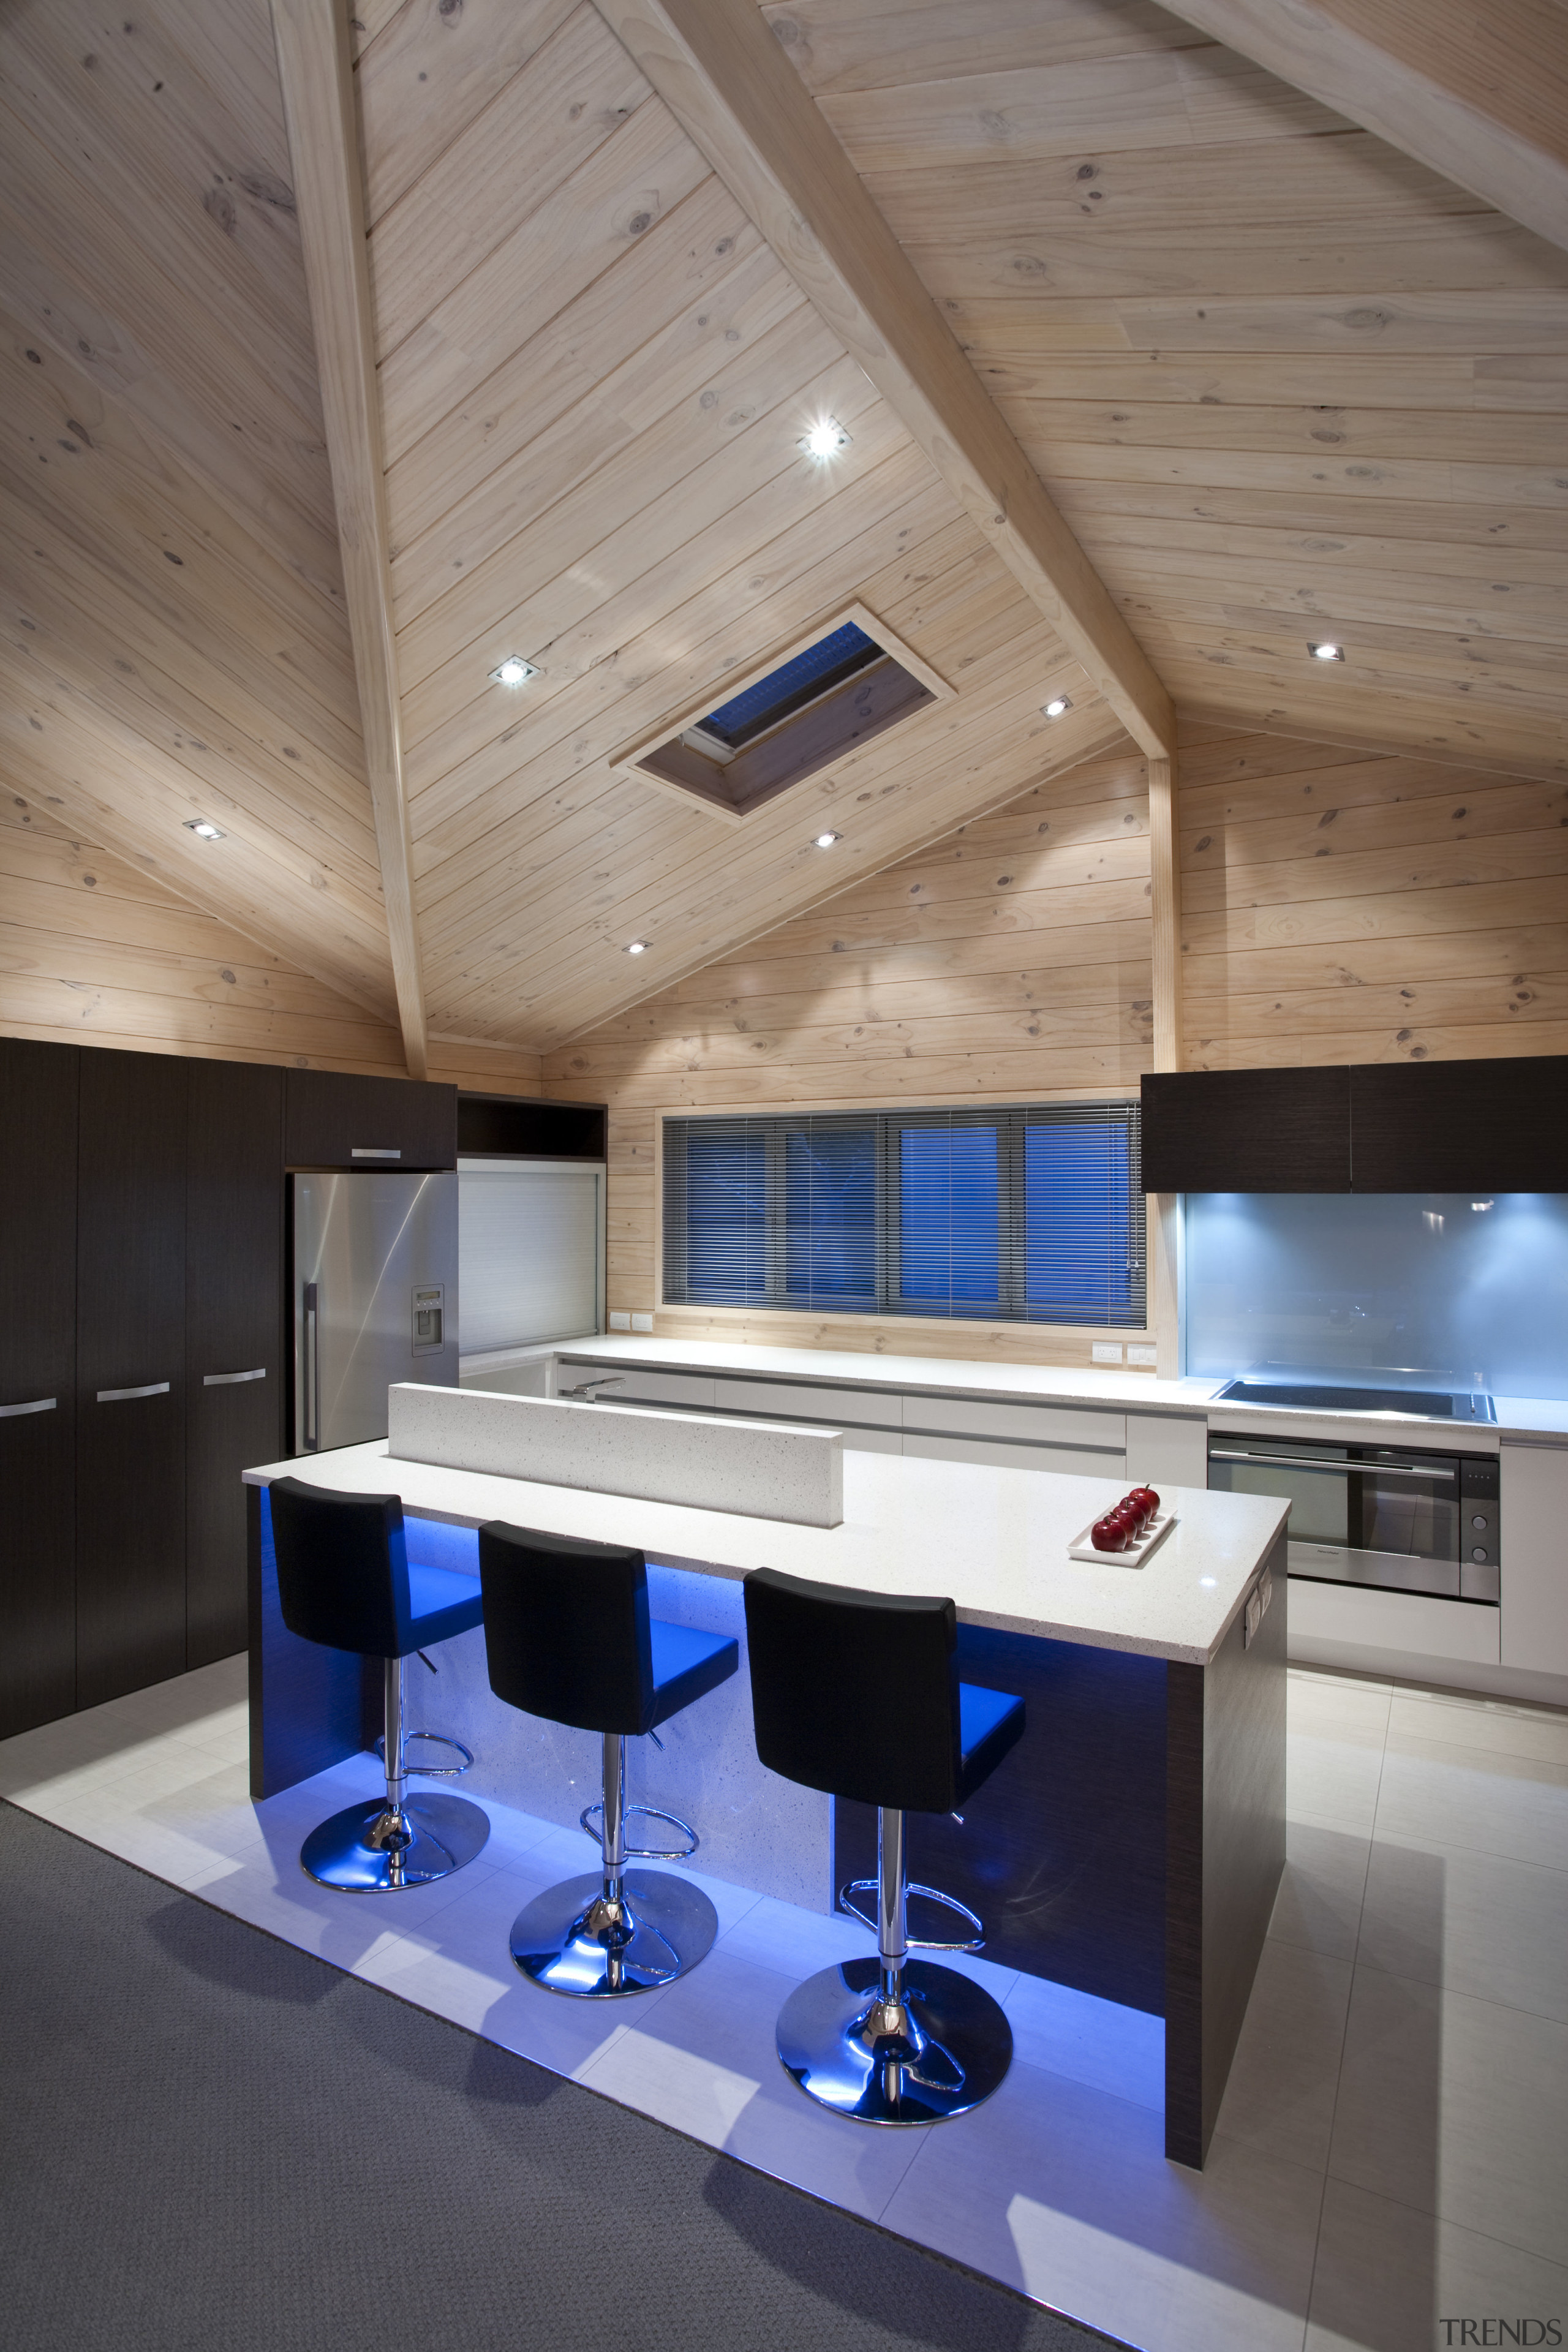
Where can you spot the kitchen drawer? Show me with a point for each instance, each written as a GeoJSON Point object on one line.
{"type": "Point", "coordinates": [639, 1385]}
{"type": "Point", "coordinates": [1047, 1425]}
{"type": "Point", "coordinates": [1073, 1461]}
{"type": "Point", "coordinates": [806, 1400]}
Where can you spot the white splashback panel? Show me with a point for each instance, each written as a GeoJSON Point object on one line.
{"type": "Point", "coordinates": [766, 1470]}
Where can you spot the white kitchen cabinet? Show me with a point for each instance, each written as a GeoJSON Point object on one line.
{"type": "Point", "coordinates": [638, 1384]}
{"type": "Point", "coordinates": [809, 1401]}
{"type": "Point", "coordinates": [1000, 1454]}
{"type": "Point", "coordinates": [1033, 1425]}
{"type": "Point", "coordinates": [1168, 1449]}
{"type": "Point", "coordinates": [1534, 1504]}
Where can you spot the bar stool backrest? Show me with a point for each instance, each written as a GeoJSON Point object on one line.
{"type": "Point", "coordinates": [566, 1628]}
{"type": "Point", "coordinates": [856, 1693]}
{"type": "Point", "coordinates": [342, 1567]}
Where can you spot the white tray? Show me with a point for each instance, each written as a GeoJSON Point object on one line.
{"type": "Point", "coordinates": [1158, 1529]}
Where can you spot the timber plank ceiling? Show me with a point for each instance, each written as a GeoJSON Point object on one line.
{"type": "Point", "coordinates": [174, 642]}
{"type": "Point", "coordinates": [1285, 382]}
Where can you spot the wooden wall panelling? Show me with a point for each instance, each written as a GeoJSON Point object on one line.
{"type": "Point", "coordinates": [91, 946]}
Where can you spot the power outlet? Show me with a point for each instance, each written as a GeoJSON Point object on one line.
{"type": "Point", "coordinates": [642, 1322]}
{"type": "Point", "coordinates": [619, 1319]}
{"type": "Point", "coordinates": [1106, 1351]}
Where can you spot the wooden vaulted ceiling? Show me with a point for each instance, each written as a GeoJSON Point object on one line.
{"type": "Point", "coordinates": [1283, 381]}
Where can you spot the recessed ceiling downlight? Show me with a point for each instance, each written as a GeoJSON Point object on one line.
{"type": "Point", "coordinates": [513, 671]}
{"type": "Point", "coordinates": [638, 947]}
{"type": "Point", "coordinates": [825, 438]}
{"type": "Point", "coordinates": [824, 841]}
{"type": "Point", "coordinates": [1327, 653]}
{"type": "Point", "coordinates": [203, 829]}
{"type": "Point", "coordinates": [1057, 706]}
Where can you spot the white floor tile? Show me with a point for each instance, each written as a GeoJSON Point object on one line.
{"type": "Point", "coordinates": [1285, 2073]}
{"type": "Point", "coordinates": [1455, 2106]}
{"type": "Point", "coordinates": [1387, 2278]}
{"type": "Point", "coordinates": [1477, 1923]}
{"type": "Point", "coordinates": [1508, 1730]}
{"type": "Point", "coordinates": [1440, 1794]}
{"type": "Point", "coordinates": [1331, 1708]}
{"type": "Point", "coordinates": [1333, 1777]}
{"type": "Point", "coordinates": [1320, 1898]}
{"type": "Point", "coordinates": [1086, 2040]}
{"type": "Point", "coordinates": [1066, 2194]}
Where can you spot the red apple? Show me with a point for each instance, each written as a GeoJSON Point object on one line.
{"type": "Point", "coordinates": [1108, 1534]}
{"type": "Point", "coordinates": [1149, 1499]}
{"type": "Point", "coordinates": [1125, 1515]}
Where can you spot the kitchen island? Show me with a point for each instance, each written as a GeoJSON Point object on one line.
{"type": "Point", "coordinates": [1130, 1847]}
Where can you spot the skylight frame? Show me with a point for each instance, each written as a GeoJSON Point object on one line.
{"type": "Point", "coordinates": [708, 791]}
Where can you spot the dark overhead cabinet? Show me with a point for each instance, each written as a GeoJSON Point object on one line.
{"type": "Point", "coordinates": [331, 1120]}
{"type": "Point", "coordinates": [513, 1127]}
{"type": "Point", "coordinates": [1373, 1126]}
{"type": "Point", "coordinates": [1247, 1132]}
{"type": "Point", "coordinates": [131, 1373]}
{"type": "Point", "coordinates": [236, 1385]}
{"type": "Point", "coordinates": [1460, 1127]}
{"type": "Point", "coordinates": [38, 1088]}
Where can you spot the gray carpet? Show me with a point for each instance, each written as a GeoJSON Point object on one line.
{"type": "Point", "coordinates": [209, 2139]}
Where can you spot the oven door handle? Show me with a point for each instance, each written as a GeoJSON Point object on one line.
{"type": "Point", "coordinates": [1364, 1469]}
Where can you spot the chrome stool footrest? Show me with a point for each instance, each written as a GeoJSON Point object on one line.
{"type": "Point", "coordinates": [430, 1771]}
{"type": "Point", "coordinates": [931, 1895]}
{"type": "Point", "coordinates": [643, 1852]}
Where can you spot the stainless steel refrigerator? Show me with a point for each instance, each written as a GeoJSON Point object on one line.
{"type": "Point", "coordinates": [374, 1277]}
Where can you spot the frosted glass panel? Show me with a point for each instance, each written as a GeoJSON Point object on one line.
{"type": "Point", "coordinates": [1423, 1289]}
{"type": "Point", "coordinates": [527, 1255]}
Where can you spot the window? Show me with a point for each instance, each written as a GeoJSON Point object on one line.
{"type": "Point", "coordinates": [1029, 1214]}
{"type": "Point", "coordinates": [811, 704]}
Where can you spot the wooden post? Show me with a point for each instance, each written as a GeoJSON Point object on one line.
{"type": "Point", "coordinates": [1165, 904]}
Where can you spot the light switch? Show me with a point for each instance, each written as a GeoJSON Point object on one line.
{"type": "Point", "coordinates": [619, 1319]}
{"type": "Point", "coordinates": [1138, 1353]}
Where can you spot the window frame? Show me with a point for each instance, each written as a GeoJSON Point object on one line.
{"type": "Point", "coordinates": [1012, 1119]}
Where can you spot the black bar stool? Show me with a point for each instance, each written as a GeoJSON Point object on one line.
{"type": "Point", "coordinates": [569, 1638]}
{"type": "Point", "coordinates": [344, 1580]}
{"type": "Point", "coordinates": [857, 1694]}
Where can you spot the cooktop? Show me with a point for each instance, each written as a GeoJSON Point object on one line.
{"type": "Point", "coordinates": [1417, 1404]}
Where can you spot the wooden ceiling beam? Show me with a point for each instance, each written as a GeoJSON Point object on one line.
{"type": "Point", "coordinates": [1479, 94]}
{"type": "Point", "coordinates": [316, 71]}
{"type": "Point", "coordinates": [719, 70]}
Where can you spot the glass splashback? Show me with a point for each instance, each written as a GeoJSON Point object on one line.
{"type": "Point", "coordinates": [1425, 1289]}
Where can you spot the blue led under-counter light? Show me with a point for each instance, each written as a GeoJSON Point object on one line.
{"type": "Point", "coordinates": [1423, 1289]}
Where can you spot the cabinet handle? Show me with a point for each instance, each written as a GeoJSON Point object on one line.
{"type": "Point", "coordinates": [230, 1379]}
{"type": "Point", "coordinates": [117, 1396]}
{"type": "Point", "coordinates": [310, 1368]}
{"type": "Point", "coordinates": [362, 1152]}
{"type": "Point", "coordinates": [38, 1404]}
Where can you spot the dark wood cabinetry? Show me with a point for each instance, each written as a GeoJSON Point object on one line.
{"type": "Point", "coordinates": [1247, 1132]}
{"type": "Point", "coordinates": [143, 1343]}
{"type": "Point", "coordinates": [131, 1373]}
{"type": "Point", "coordinates": [38, 1090]}
{"type": "Point", "coordinates": [335, 1122]}
{"type": "Point", "coordinates": [236, 1383]}
{"type": "Point", "coordinates": [511, 1127]}
{"type": "Point", "coordinates": [1460, 1127]}
{"type": "Point", "coordinates": [1377, 1127]}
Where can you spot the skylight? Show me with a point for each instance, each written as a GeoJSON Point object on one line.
{"type": "Point", "coordinates": [814, 703]}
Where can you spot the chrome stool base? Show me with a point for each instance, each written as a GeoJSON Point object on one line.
{"type": "Point", "coordinates": [941, 2048]}
{"type": "Point", "coordinates": [428, 1771]}
{"type": "Point", "coordinates": [374, 1849]}
{"type": "Point", "coordinates": [580, 1939]}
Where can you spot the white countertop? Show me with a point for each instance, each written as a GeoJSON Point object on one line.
{"type": "Point", "coordinates": [995, 1539]}
{"type": "Point", "coordinates": [1539, 1420]}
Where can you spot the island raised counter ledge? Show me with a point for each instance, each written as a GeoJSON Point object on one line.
{"type": "Point", "coordinates": [1130, 1847]}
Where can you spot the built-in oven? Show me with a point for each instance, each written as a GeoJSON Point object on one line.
{"type": "Point", "coordinates": [1402, 1518]}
